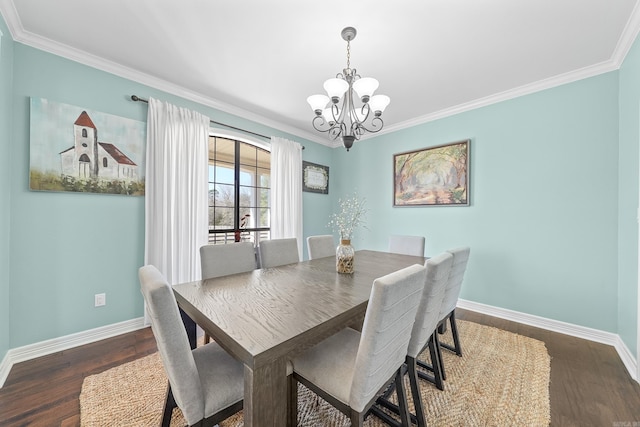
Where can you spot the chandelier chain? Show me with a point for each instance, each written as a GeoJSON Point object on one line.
{"type": "Point", "coordinates": [348, 55]}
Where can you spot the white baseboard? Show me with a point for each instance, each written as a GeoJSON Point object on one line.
{"type": "Point", "coordinates": [5, 368]}
{"type": "Point", "coordinates": [561, 327]}
{"type": "Point", "coordinates": [31, 351]}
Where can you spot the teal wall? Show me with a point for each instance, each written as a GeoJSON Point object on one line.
{"type": "Point", "coordinates": [66, 247]}
{"type": "Point", "coordinates": [628, 198]}
{"type": "Point", "coordinates": [543, 220]}
{"type": "Point", "coordinates": [6, 70]}
{"type": "Point", "coordinates": [317, 208]}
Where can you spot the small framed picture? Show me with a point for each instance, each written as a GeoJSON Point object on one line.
{"type": "Point", "coordinates": [315, 178]}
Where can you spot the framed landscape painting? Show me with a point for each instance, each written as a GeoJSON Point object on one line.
{"type": "Point", "coordinates": [434, 176]}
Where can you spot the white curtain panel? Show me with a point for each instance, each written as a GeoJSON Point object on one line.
{"type": "Point", "coordinates": [176, 205]}
{"type": "Point", "coordinates": [286, 190]}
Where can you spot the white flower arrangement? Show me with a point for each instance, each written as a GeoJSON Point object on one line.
{"type": "Point", "coordinates": [350, 217]}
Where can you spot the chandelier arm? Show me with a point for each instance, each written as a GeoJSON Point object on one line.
{"type": "Point", "coordinates": [362, 111]}
{"type": "Point", "coordinates": [337, 130]}
{"type": "Point", "coordinates": [322, 123]}
{"type": "Point", "coordinates": [357, 129]}
{"type": "Point", "coordinates": [374, 124]}
{"type": "Point", "coordinates": [377, 119]}
{"type": "Point", "coordinates": [336, 113]}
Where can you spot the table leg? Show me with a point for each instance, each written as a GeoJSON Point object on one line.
{"type": "Point", "coordinates": [265, 395]}
{"type": "Point", "coordinates": [190, 327]}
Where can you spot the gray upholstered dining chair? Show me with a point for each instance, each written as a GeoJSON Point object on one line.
{"type": "Point", "coordinates": [452, 292]}
{"type": "Point", "coordinates": [222, 260]}
{"type": "Point", "coordinates": [407, 245]}
{"type": "Point", "coordinates": [206, 383]}
{"type": "Point", "coordinates": [321, 246]}
{"type": "Point", "coordinates": [276, 252]}
{"type": "Point", "coordinates": [350, 369]}
{"type": "Point", "coordinates": [424, 329]}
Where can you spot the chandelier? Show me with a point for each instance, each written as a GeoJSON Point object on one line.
{"type": "Point", "coordinates": [348, 120]}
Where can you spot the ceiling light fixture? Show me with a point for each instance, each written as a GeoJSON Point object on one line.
{"type": "Point", "coordinates": [348, 121]}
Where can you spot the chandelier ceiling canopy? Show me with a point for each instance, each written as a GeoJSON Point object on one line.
{"type": "Point", "coordinates": [349, 109]}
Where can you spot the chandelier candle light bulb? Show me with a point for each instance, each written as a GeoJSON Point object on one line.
{"type": "Point", "coordinates": [348, 121]}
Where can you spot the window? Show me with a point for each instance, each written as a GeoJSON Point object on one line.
{"type": "Point", "coordinates": [239, 183]}
{"type": "Point", "coordinates": [104, 162]}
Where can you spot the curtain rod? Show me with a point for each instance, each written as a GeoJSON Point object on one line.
{"type": "Point", "coordinates": [137, 98]}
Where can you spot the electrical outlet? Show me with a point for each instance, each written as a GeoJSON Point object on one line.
{"type": "Point", "coordinates": [100, 300]}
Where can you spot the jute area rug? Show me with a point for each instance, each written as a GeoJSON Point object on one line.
{"type": "Point", "coordinates": [502, 379]}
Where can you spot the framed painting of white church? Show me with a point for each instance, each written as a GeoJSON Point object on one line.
{"type": "Point", "coordinates": [79, 150]}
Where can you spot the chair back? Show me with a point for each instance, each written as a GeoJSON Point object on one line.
{"type": "Point", "coordinates": [454, 284]}
{"type": "Point", "coordinates": [173, 343]}
{"type": "Point", "coordinates": [385, 332]}
{"type": "Point", "coordinates": [276, 252]}
{"type": "Point", "coordinates": [438, 270]}
{"type": "Point", "coordinates": [407, 245]}
{"type": "Point", "coordinates": [321, 246]}
{"type": "Point", "coordinates": [222, 260]}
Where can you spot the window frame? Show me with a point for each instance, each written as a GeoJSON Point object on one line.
{"type": "Point", "coordinates": [229, 235]}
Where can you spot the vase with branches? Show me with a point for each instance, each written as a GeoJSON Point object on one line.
{"type": "Point", "coordinates": [350, 217]}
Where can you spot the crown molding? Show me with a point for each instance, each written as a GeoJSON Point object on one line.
{"type": "Point", "coordinates": [528, 89]}
{"type": "Point", "coordinates": [628, 37]}
{"type": "Point", "coordinates": [19, 34]}
{"type": "Point", "coordinates": [626, 40]}
{"type": "Point", "coordinates": [11, 18]}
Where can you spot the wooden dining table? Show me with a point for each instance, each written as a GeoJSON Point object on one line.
{"type": "Point", "coordinates": [266, 316]}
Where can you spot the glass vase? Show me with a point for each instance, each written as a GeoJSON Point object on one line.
{"type": "Point", "coordinates": [345, 255]}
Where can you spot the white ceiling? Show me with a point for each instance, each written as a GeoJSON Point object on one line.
{"type": "Point", "coordinates": [261, 59]}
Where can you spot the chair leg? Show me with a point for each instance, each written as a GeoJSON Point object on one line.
{"type": "Point", "coordinates": [190, 327]}
{"type": "Point", "coordinates": [357, 418]}
{"type": "Point", "coordinates": [415, 391]}
{"type": "Point", "coordinates": [169, 404]}
{"type": "Point", "coordinates": [442, 326]}
{"type": "Point", "coordinates": [454, 332]}
{"type": "Point", "coordinates": [402, 399]}
{"type": "Point", "coordinates": [436, 356]}
{"type": "Point", "coordinates": [436, 364]}
{"type": "Point", "coordinates": [456, 348]}
{"type": "Point", "coordinates": [385, 417]}
{"type": "Point", "coordinates": [437, 344]}
{"type": "Point", "coordinates": [384, 401]}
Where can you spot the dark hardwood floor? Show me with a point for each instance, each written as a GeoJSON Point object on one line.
{"type": "Point", "coordinates": [589, 384]}
{"type": "Point", "coordinates": [45, 391]}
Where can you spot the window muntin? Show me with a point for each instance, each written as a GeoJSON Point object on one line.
{"type": "Point", "coordinates": [239, 185]}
